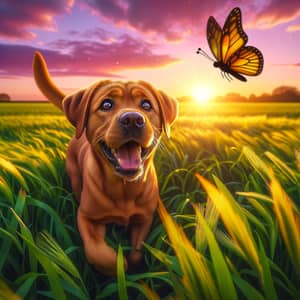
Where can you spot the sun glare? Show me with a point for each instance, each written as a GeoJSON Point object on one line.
{"type": "Point", "coordinates": [202, 94]}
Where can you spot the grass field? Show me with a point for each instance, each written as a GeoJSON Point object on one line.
{"type": "Point", "coordinates": [229, 226]}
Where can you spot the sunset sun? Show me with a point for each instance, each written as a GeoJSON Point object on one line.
{"type": "Point", "coordinates": [202, 94]}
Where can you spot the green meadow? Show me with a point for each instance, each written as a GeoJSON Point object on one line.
{"type": "Point", "coordinates": [228, 226]}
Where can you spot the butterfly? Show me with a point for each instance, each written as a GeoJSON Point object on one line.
{"type": "Point", "coordinates": [229, 50]}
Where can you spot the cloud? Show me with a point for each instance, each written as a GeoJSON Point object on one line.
{"type": "Point", "coordinates": [17, 17]}
{"type": "Point", "coordinates": [113, 9]}
{"type": "Point", "coordinates": [278, 12]}
{"type": "Point", "coordinates": [96, 34]}
{"type": "Point", "coordinates": [168, 18]}
{"type": "Point", "coordinates": [292, 28]}
{"type": "Point", "coordinates": [86, 58]}
{"type": "Point", "coordinates": [173, 19]}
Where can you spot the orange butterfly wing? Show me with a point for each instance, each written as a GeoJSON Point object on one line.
{"type": "Point", "coordinates": [214, 37]}
{"type": "Point", "coordinates": [233, 35]}
{"type": "Point", "coordinates": [248, 61]}
{"type": "Point", "coordinates": [228, 45]}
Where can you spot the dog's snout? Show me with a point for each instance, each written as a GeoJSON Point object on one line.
{"type": "Point", "coordinates": [132, 120]}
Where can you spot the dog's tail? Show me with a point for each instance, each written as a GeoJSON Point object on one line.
{"type": "Point", "coordinates": [44, 81]}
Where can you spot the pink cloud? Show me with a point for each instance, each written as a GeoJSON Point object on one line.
{"type": "Point", "coordinates": [97, 33]}
{"type": "Point", "coordinates": [292, 28]}
{"type": "Point", "coordinates": [277, 12]}
{"type": "Point", "coordinates": [114, 9]}
{"type": "Point", "coordinates": [168, 18]}
{"type": "Point", "coordinates": [17, 17]}
{"type": "Point", "coordinates": [74, 57]}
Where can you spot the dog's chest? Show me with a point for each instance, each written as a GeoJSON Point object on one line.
{"type": "Point", "coordinates": [122, 213]}
{"type": "Point", "coordinates": [125, 195]}
{"type": "Point", "coordinates": [127, 203]}
{"type": "Point", "coordinates": [120, 205]}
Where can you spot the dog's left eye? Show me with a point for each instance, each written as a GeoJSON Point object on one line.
{"type": "Point", "coordinates": [146, 105]}
{"type": "Point", "coordinates": [106, 104]}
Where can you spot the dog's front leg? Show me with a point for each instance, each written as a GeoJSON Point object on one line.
{"type": "Point", "coordinates": [138, 234]}
{"type": "Point", "coordinates": [98, 253]}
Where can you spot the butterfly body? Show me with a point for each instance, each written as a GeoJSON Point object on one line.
{"type": "Point", "coordinates": [226, 69]}
{"type": "Point", "coordinates": [228, 46]}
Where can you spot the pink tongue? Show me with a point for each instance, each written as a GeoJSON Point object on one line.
{"type": "Point", "coordinates": [129, 156]}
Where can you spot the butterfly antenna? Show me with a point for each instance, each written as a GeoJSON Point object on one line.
{"type": "Point", "coordinates": [202, 52]}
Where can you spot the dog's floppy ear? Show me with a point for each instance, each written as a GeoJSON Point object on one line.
{"type": "Point", "coordinates": [76, 107]}
{"type": "Point", "coordinates": [169, 111]}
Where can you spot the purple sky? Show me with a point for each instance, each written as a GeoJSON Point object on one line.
{"type": "Point", "coordinates": [155, 41]}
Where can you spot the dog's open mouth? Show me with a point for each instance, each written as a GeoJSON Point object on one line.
{"type": "Point", "coordinates": [128, 158]}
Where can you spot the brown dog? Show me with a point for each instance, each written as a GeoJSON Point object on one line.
{"type": "Point", "coordinates": [110, 159]}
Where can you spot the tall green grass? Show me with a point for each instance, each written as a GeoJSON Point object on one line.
{"type": "Point", "coordinates": [228, 226]}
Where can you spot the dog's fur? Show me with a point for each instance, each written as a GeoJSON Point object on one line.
{"type": "Point", "coordinates": [110, 159]}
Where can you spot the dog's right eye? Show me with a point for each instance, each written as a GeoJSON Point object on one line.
{"type": "Point", "coordinates": [106, 104]}
{"type": "Point", "coordinates": [146, 105]}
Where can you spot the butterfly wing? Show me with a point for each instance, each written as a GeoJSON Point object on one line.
{"type": "Point", "coordinates": [233, 36]}
{"type": "Point", "coordinates": [214, 37]}
{"type": "Point", "coordinates": [248, 61]}
{"type": "Point", "coordinates": [228, 47]}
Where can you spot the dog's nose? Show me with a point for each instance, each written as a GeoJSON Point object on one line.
{"type": "Point", "coordinates": [132, 120]}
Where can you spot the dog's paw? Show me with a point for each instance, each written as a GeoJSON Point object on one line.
{"type": "Point", "coordinates": [135, 257]}
{"type": "Point", "coordinates": [104, 259]}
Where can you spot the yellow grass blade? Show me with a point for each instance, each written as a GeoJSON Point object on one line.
{"type": "Point", "coordinates": [150, 294]}
{"type": "Point", "coordinates": [10, 168]}
{"type": "Point", "coordinates": [196, 276]}
{"type": "Point", "coordinates": [221, 270]}
{"type": "Point", "coordinates": [6, 190]}
{"type": "Point", "coordinates": [283, 168]}
{"type": "Point", "coordinates": [6, 293]}
{"type": "Point", "coordinates": [258, 164]}
{"type": "Point", "coordinates": [211, 216]}
{"type": "Point", "coordinates": [234, 221]}
{"type": "Point", "coordinates": [288, 220]}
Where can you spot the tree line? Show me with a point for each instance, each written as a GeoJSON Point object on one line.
{"type": "Point", "coordinates": [279, 94]}
{"type": "Point", "coordinates": [4, 97]}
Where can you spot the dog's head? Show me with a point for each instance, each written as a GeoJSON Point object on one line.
{"type": "Point", "coordinates": [123, 122]}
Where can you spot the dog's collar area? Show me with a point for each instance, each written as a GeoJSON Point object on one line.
{"type": "Point", "coordinates": [128, 159]}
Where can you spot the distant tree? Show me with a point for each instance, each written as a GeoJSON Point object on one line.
{"type": "Point", "coordinates": [4, 97]}
{"type": "Point", "coordinates": [230, 97]}
{"type": "Point", "coordinates": [281, 94]}
{"type": "Point", "coordinates": [252, 98]}
{"type": "Point", "coordinates": [185, 99]}
{"type": "Point", "coordinates": [235, 97]}
{"type": "Point", "coordinates": [219, 99]}
{"type": "Point", "coordinates": [265, 97]}
{"type": "Point", "coordinates": [285, 89]}
{"type": "Point", "coordinates": [286, 94]}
